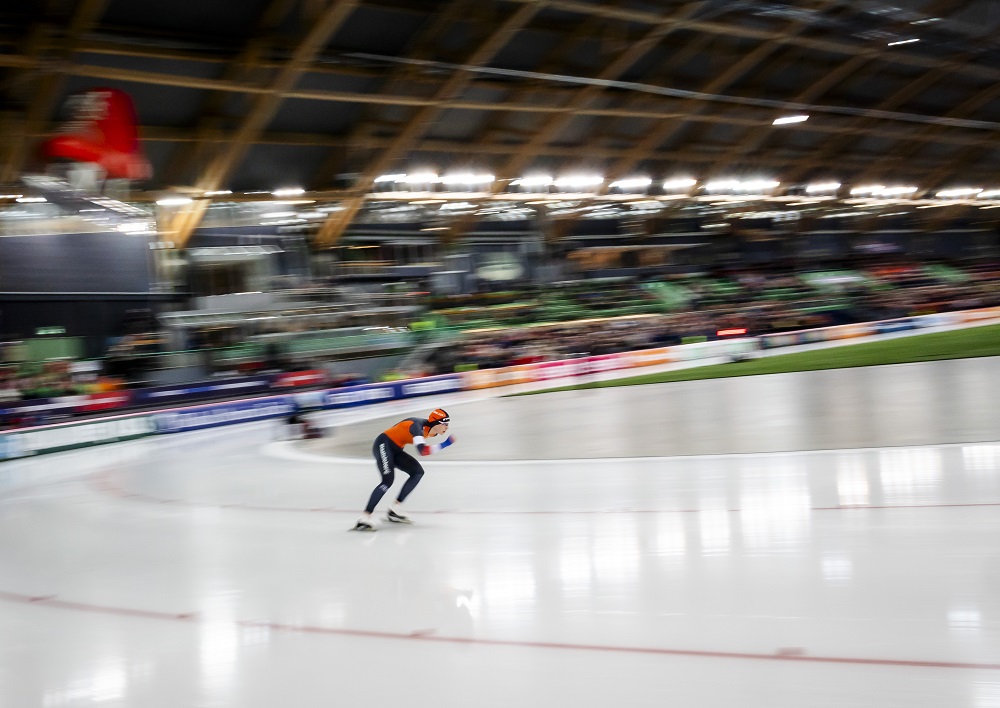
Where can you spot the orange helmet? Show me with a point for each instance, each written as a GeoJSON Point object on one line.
{"type": "Point", "coordinates": [439, 416]}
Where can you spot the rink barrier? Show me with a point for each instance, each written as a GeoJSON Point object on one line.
{"type": "Point", "coordinates": [589, 365]}
{"type": "Point", "coordinates": [42, 410]}
{"type": "Point", "coordinates": [70, 436]}
{"type": "Point", "coordinates": [66, 436]}
{"type": "Point", "coordinates": [179, 420]}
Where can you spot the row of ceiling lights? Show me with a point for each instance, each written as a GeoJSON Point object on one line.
{"type": "Point", "coordinates": [589, 183]}
{"type": "Point", "coordinates": [681, 185]}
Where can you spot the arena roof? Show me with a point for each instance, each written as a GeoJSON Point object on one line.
{"type": "Point", "coordinates": [329, 96]}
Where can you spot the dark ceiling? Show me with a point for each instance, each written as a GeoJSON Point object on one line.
{"type": "Point", "coordinates": [328, 95]}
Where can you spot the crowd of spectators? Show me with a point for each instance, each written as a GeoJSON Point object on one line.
{"type": "Point", "coordinates": [24, 382]}
{"type": "Point", "coordinates": [759, 302]}
{"type": "Point", "coordinates": [518, 327]}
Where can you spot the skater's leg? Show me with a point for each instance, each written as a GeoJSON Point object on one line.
{"type": "Point", "coordinates": [384, 459]}
{"type": "Point", "coordinates": [408, 464]}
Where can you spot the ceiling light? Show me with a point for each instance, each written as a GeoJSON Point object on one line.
{"type": "Point", "coordinates": [31, 200]}
{"type": "Point", "coordinates": [878, 190]}
{"type": "Point", "coordinates": [823, 187]}
{"type": "Point", "coordinates": [277, 215]}
{"type": "Point", "coordinates": [902, 41]}
{"type": "Point", "coordinates": [722, 185]}
{"type": "Point", "coordinates": [735, 185]}
{"type": "Point", "coordinates": [467, 178]}
{"type": "Point", "coordinates": [897, 191]}
{"type": "Point", "coordinates": [679, 183]}
{"type": "Point", "coordinates": [533, 181]}
{"type": "Point", "coordinates": [135, 227]}
{"type": "Point", "coordinates": [989, 194]}
{"type": "Point", "coordinates": [959, 192]}
{"type": "Point", "coordinates": [785, 120]}
{"type": "Point", "coordinates": [288, 192]}
{"type": "Point", "coordinates": [579, 181]}
{"type": "Point", "coordinates": [390, 178]}
{"type": "Point", "coordinates": [632, 183]}
{"type": "Point", "coordinates": [762, 184]}
{"type": "Point", "coordinates": [173, 201]}
{"type": "Point", "coordinates": [217, 192]}
{"type": "Point", "coordinates": [421, 178]}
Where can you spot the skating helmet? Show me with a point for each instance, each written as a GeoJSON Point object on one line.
{"type": "Point", "coordinates": [438, 416]}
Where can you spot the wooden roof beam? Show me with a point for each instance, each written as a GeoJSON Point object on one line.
{"type": "Point", "coordinates": [333, 227]}
{"type": "Point", "coordinates": [662, 134]}
{"type": "Point", "coordinates": [732, 30]}
{"type": "Point", "coordinates": [264, 109]}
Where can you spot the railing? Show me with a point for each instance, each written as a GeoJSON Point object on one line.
{"type": "Point", "coordinates": [291, 347]}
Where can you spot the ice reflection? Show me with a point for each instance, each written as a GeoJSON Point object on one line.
{"type": "Point", "coordinates": [837, 568]}
{"type": "Point", "coordinates": [852, 480]}
{"type": "Point", "coordinates": [616, 550]}
{"type": "Point", "coordinates": [219, 642]}
{"type": "Point", "coordinates": [574, 566]}
{"type": "Point", "coordinates": [986, 694]}
{"type": "Point", "coordinates": [775, 506]}
{"type": "Point", "coordinates": [671, 538]}
{"type": "Point", "coordinates": [965, 619]}
{"type": "Point", "coordinates": [467, 599]}
{"type": "Point", "coordinates": [108, 682]}
{"type": "Point", "coordinates": [509, 585]}
{"type": "Point", "coordinates": [981, 458]}
{"type": "Point", "coordinates": [715, 532]}
{"type": "Point", "coordinates": [910, 475]}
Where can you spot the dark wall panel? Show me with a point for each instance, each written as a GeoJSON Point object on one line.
{"type": "Point", "coordinates": [65, 263]}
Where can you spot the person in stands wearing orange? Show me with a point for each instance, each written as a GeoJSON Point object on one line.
{"type": "Point", "coordinates": [389, 454]}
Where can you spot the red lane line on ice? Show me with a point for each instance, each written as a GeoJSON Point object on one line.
{"type": "Point", "coordinates": [427, 636]}
{"type": "Point", "coordinates": [103, 484]}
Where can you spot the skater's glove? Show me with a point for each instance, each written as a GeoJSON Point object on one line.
{"type": "Point", "coordinates": [425, 450]}
{"type": "Point", "coordinates": [449, 441]}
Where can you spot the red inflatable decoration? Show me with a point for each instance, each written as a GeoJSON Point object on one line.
{"type": "Point", "coordinates": [101, 130]}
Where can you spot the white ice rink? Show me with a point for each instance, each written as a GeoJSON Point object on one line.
{"type": "Point", "coordinates": [816, 539]}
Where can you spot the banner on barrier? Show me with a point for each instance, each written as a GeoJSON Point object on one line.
{"type": "Point", "coordinates": [234, 387]}
{"type": "Point", "coordinates": [987, 313]}
{"type": "Point", "coordinates": [889, 326]}
{"type": "Point", "coordinates": [425, 387]}
{"type": "Point", "coordinates": [938, 319]}
{"type": "Point", "coordinates": [311, 377]}
{"type": "Point", "coordinates": [359, 395]}
{"type": "Point", "coordinates": [478, 378]}
{"type": "Point", "coordinates": [68, 436]}
{"type": "Point", "coordinates": [105, 401]}
{"type": "Point", "coordinates": [647, 357]}
{"type": "Point", "coordinates": [209, 416]}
